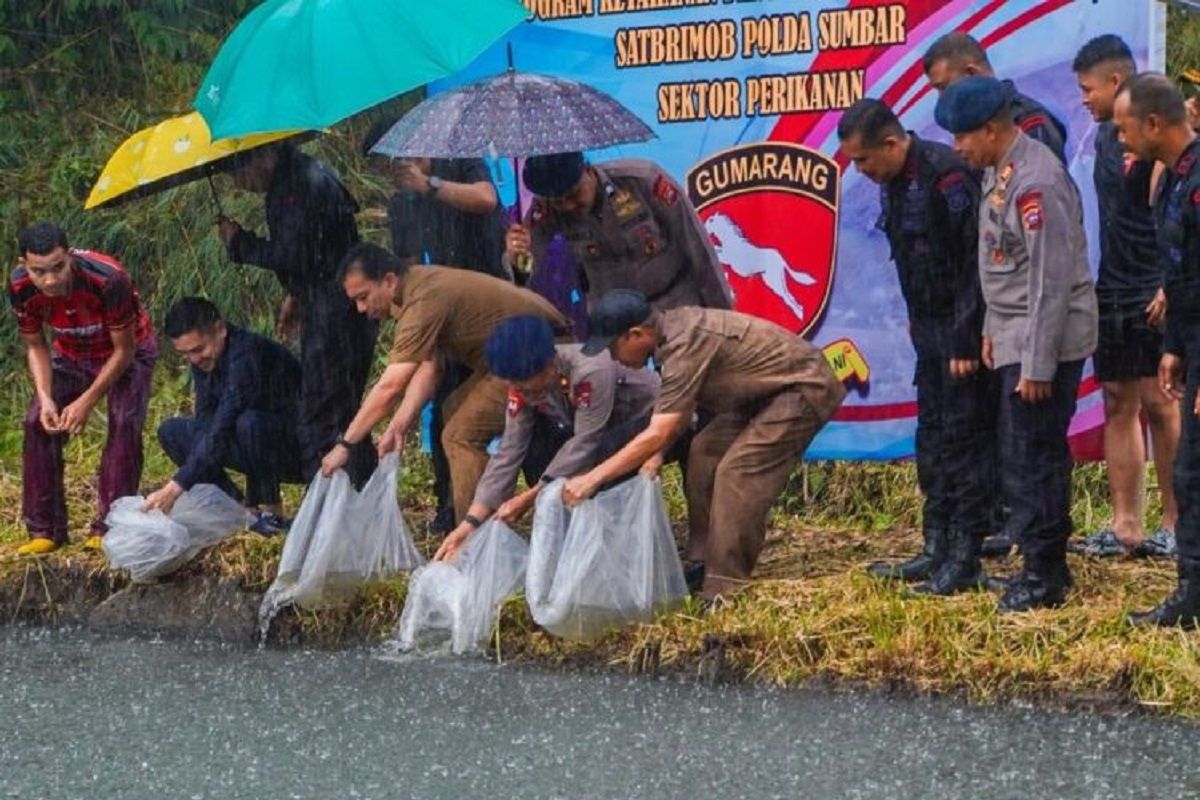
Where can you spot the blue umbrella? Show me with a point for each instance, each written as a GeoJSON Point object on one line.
{"type": "Point", "coordinates": [512, 115]}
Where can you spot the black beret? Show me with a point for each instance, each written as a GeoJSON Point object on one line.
{"type": "Point", "coordinates": [969, 103]}
{"type": "Point", "coordinates": [553, 175]}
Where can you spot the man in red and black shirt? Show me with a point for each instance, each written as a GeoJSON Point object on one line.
{"type": "Point", "coordinates": [103, 346]}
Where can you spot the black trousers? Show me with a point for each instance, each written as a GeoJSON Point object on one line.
{"type": "Point", "coordinates": [956, 437]}
{"type": "Point", "coordinates": [1187, 471]}
{"type": "Point", "coordinates": [264, 449]}
{"type": "Point", "coordinates": [1035, 461]}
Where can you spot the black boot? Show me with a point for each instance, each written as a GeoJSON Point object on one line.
{"type": "Point", "coordinates": [1182, 608]}
{"type": "Point", "coordinates": [960, 572]}
{"type": "Point", "coordinates": [921, 566]}
{"type": "Point", "coordinates": [998, 546]}
{"type": "Point", "coordinates": [1041, 584]}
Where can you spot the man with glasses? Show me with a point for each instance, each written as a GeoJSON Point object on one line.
{"type": "Point", "coordinates": [627, 225]}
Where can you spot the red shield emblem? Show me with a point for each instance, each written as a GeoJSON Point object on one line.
{"type": "Point", "coordinates": [771, 211]}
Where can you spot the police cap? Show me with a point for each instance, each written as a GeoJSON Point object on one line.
{"type": "Point", "coordinates": [615, 312]}
{"type": "Point", "coordinates": [519, 348]}
{"type": "Point", "coordinates": [968, 103]}
{"type": "Point", "coordinates": [553, 175]}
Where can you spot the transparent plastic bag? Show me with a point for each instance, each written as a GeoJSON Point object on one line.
{"type": "Point", "coordinates": [460, 599]}
{"type": "Point", "coordinates": [152, 544]}
{"type": "Point", "coordinates": [610, 561]}
{"type": "Point", "coordinates": [341, 538]}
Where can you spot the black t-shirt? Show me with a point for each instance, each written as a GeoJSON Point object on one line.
{"type": "Point", "coordinates": [1129, 271]}
{"type": "Point", "coordinates": [434, 232]}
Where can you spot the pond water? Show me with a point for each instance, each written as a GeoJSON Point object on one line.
{"type": "Point", "coordinates": [82, 717]}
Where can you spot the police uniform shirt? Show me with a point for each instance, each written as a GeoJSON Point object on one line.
{"type": "Point", "coordinates": [1041, 305]}
{"type": "Point", "coordinates": [1037, 122]}
{"type": "Point", "coordinates": [1129, 270]}
{"type": "Point", "coordinates": [643, 234]}
{"type": "Point", "coordinates": [930, 216]}
{"type": "Point", "coordinates": [593, 395]}
{"type": "Point", "coordinates": [726, 361]}
{"type": "Point", "coordinates": [1177, 213]}
{"type": "Point", "coordinates": [452, 312]}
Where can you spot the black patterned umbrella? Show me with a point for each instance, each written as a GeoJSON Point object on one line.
{"type": "Point", "coordinates": [512, 115]}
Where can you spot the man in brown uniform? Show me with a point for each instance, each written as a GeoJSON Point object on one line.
{"type": "Point", "coordinates": [438, 311]}
{"type": "Point", "coordinates": [566, 413]}
{"type": "Point", "coordinates": [626, 224]}
{"type": "Point", "coordinates": [770, 391]}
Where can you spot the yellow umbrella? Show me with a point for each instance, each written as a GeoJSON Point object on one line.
{"type": "Point", "coordinates": [168, 154]}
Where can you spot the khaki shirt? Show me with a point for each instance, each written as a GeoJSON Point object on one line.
{"type": "Point", "coordinates": [643, 234]}
{"type": "Point", "coordinates": [447, 311]}
{"type": "Point", "coordinates": [1041, 304]}
{"type": "Point", "coordinates": [726, 361]}
{"type": "Point", "coordinates": [594, 395]}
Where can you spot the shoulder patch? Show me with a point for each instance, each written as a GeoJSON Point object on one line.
{"type": "Point", "coordinates": [515, 402]}
{"type": "Point", "coordinates": [665, 191]}
{"type": "Point", "coordinates": [1196, 197]}
{"type": "Point", "coordinates": [581, 394]}
{"type": "Point", "coordinates": [1032, 121]}
{"type": "Point", "coordinates": [1030, 206]}
{"type": "Point", "coordinates": [1185, 163]}
{"type": "Point", "coordinates": [953, 187]}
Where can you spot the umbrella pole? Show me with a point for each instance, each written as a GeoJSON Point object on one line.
{"type": "Point", "coordinates": [215, 197]}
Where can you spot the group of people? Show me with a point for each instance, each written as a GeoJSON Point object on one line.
{"type": "Point", "coordinates": [595, 338]}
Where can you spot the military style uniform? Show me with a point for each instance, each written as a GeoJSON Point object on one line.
{"type": "Point", "coordinates": [770, 392]}
{"type": "Point", "coordinates": [643, 235]}
{"type": "Point", "coordinates": [1037, 122]}
{"type": "Point", "coordinates": [1177, 214]}
{"type": "Point", "coordinates": [595, 408]}
{"type": "Point", "coordinates": [1041, 318]}
{"type": "Point", "coordinates": [450, 312]}
{"type": "Point", "coordinates": [930, 216]}
{"type": "Point", "coordinates": [310, 216]}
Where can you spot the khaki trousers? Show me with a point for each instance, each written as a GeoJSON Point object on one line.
{"type": "Point", "coordinates": [473, 415]}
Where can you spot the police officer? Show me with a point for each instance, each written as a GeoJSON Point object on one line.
{"type": "Point", "coordinates": [310, 216]}
{"type": "Point", "coordinates": [770, 392]}
{"type": "Point", "coordinates": [930, 202]}
{"type": "Point", "coordinates": [1132, 306]}
{"type": "Point", "coordinates": [958, 55]}
{"type": "Point", "coordinates": [1039, 326]}
{"type": "Point", "coordinates": [441, 315]}
{"type": "Point", "coordinates": [566, 413]}
{"type": "Point", "coordinates": [627, 226]}
{"type": "Point", "coordinates": [1150, 116]}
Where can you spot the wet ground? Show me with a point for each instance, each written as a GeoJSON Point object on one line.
{"type": "Point", "coordinates": [82, 717]}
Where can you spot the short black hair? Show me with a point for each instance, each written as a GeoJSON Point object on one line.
{"type": "Point", "coordinates": [1154, 93]}
{"type": "Point", "coordinates": [373, 261]}
{"type": "Point", "coordinates": [41, 238]}
{"type": "Point", "coordinates": [956, 47]}
{"type": "Point", "coordinates": [871, 120]}
{"type": "Point", "coordinates": [190, 314]}
{"type": "Point", "coordinates": [1105, 49]}
{"type": "Point", "coordinates": [375, 133]}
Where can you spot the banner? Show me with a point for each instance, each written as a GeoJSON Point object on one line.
{"type": "Point", "coordinates": [745, 95]}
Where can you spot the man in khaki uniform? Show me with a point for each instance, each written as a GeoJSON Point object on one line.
{"type": "Point", "coordinates": [443, 312]}
{"type": "Point", "coordinates": [566, 413]}
{"type": "Point", "coordinates": [1039, 327]}
{"type": "Point", "coordinates": [770, 392]}
{"type": "Point", "coordinates": [626, 224]}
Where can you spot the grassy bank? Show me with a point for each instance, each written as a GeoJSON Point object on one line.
{"type": "Point", "coordinates": [814, 617]}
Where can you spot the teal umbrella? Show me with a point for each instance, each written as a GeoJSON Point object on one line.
{"type": "Point", "coordinates": [306, 64]}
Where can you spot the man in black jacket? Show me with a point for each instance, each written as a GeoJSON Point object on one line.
{"type": "Point", "coordinates": [310, 216]}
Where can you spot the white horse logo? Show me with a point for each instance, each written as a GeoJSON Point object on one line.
{"type": "Point", "coordinates": [748, 259]}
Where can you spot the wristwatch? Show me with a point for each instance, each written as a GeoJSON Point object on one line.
{"type": "Point", "coordinates": [341, 440]}
{"type": "Point", "coordinates": [435, 184]}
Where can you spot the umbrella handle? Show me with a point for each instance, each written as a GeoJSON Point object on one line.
{"type": "Point", "coordinates": [215, 197]}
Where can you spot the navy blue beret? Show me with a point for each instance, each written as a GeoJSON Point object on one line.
{"type": "Point", "coordinates": [519, 348]}
{"type": "Point", "coordinates": [969, 103]}
{"type": "Point", "coordinates": [553, 175]}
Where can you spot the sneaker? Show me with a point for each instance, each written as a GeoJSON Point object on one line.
{"type": "Point", "coordinates": [37, 546]}
{"type": "Point", "coordinates": [270, 524]}
{"type": "Point", "coordinates": [1160, 545]}
{"type": "Point", "coordinates": [443, 521]}
{"type": "Point", "coordinates": [693, 575]}
{"type": "Point", "coordinates": [1102, 544]}
{"type": "Point", "coordinates": [93, 543]}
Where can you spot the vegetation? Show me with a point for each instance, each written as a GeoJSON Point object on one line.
{"type": "Point", "coordinates": [78, 76]}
